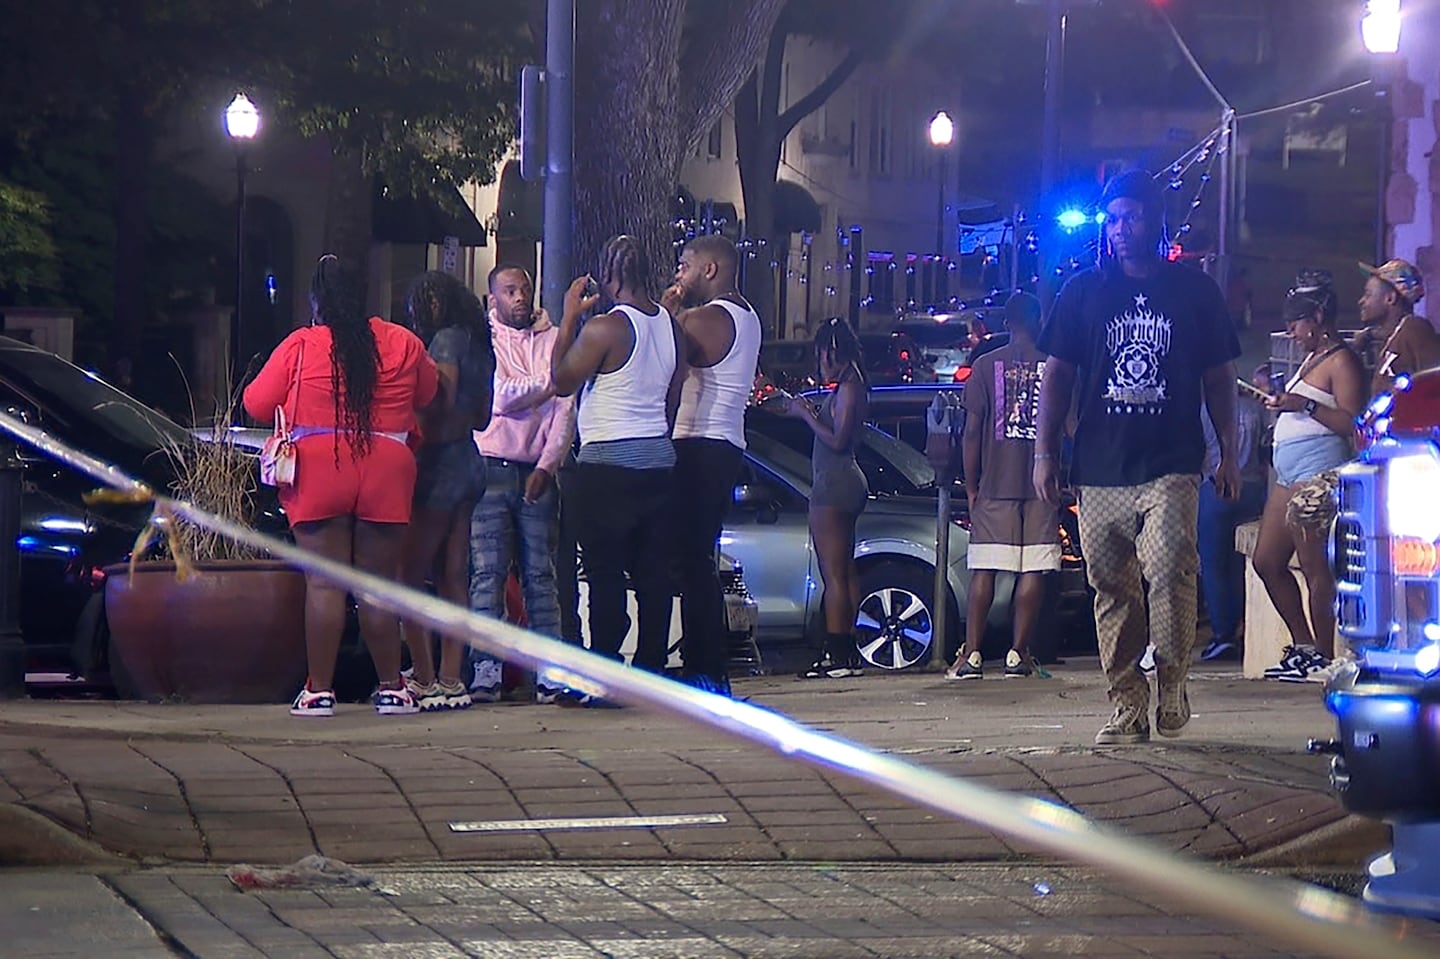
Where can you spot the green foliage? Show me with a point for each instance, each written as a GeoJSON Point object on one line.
{"type": "Point", "coordinates": [28, 258]}
{"type": "Point", "coordinates": [422, 91]}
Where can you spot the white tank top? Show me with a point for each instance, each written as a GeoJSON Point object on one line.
{"type": "Point", "coordinates": [629, 403]}
{"type": "Point", "coordinates": [1294, 426]}
{"type": "Point", "coordinates": [713, 398]}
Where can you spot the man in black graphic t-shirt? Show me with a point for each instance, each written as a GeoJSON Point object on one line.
{"type": "Point", "coordinates": [1139, 342]}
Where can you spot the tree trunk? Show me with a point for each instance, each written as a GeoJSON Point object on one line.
{"type": "Point", "coordinates": [635, 112]}
{"type": "Point", "coordinates": [627, 161]}
{"type": "Point", "coordinates": [348, 217]}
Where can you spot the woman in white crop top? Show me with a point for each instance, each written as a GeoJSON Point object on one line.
{"type": "Point", "coordinates": [1313, 433]}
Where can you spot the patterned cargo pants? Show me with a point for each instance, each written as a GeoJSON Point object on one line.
{"type": "Point", "coordinates": [1137, 538]}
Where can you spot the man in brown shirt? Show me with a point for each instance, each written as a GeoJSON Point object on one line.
{"type": "Point", "coordinates": [1402, 342]}
{"type": "Point", "coordinates": [1011, 530]}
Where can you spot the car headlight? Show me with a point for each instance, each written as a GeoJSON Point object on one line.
{"type": "Point", "coordinates": [1412, 496]}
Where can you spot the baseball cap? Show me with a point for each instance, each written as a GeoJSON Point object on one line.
{"type": "Point", "coordinates": [1401, 275]}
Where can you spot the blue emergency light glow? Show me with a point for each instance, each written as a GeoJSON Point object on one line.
{"type": "Point", "coordinates": [1072, 219]}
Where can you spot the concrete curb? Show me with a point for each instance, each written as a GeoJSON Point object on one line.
{"type": "Point", "coordinates": [28, 838]}
{"type": "Point", "coordinates": [1346, 844]}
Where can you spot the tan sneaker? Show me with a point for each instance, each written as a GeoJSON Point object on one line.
{"type": "Point", "coordinates": [429, 698]}
{"type": "Point", "coordinates": [1174, 711]}
{"type": "Point", "coordinates": [1129, 725]}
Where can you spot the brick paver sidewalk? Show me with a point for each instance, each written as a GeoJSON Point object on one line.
{"type": "Point", "coordinates": [250, 784]}
{"type": "Point", "coordinates": [620, 911]}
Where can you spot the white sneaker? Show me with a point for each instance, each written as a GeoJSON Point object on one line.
{"type": "Point", "coordinates": [1296, 664]}
{"type": "Point", "coordinates": [488, 681]}
{"type": "Point", "coordinates": [1146, 662]}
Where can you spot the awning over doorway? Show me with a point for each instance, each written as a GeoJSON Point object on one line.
{"type": "Point", "coordinates": [417, 220]}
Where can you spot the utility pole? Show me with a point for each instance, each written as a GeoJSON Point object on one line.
{"type": "Point", "coordinates": [1054, 79]}
{"type": "Point", "coordinates": [557, 252]}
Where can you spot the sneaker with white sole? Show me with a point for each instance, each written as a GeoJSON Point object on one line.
{"type": "Point", "coordinates": [394, 702]}
{"type": "Point", "coordinates": [318, 703]}
{"type": "Point", "coordinates": [1296, 664]}
{"type": "Point", "coordinates": [487, 682]}
{"type": "Point", "coordinates": [453, 695]}
{"type": "Point", "coordinates": [1335, 667]}
{"type": "Point", "coordinates": [827, 668]}
{"type": "Point", "coordinates": [967, 667]}
{"type": "Point", "coordinates": [1017, 666]}
{"type": "Point", "coordinates": [1146, 663]}
{"type": "Point", "coordinates": [1128, 726]}
{"type": "Point", "coordinates": [429, 698]}
{"type": "Point", "coordinates": [1174, 710]}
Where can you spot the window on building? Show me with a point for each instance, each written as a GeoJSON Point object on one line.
{"type": "Point", "coordinates": [714, 145]}
{"type": "Point", "coordinates": [881, 144]}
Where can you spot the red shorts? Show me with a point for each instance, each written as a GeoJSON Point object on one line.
{"type": "Point", "coordinates": [376, 487]}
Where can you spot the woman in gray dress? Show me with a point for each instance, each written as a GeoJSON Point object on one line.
{"type": "Point", "coordinates": [838, 491]}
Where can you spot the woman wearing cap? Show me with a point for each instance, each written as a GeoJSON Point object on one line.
{"type": "Point", "coordinates": [1317, 411]}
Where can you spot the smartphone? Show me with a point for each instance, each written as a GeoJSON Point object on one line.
{"type": "Point", "coordinates": [1252, 389]}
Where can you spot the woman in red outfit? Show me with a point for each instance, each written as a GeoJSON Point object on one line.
{"type": "Point", "coordinates": [350, 387]}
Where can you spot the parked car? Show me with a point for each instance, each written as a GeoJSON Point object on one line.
{"type": "Point", "coordinates": [899, 411]}
{"type": "Point", "coordinates": [65, 544]}
{"type": "Point", "coordinates": [946, 339]}
{"type": "Point", "coordinates": [788, 365]}
{"type": "Point", "coordinates": [767, 531]}
{"type": "Point", "coordinates": [894, 358]}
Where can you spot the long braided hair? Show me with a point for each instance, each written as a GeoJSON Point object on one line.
{"type": "Point", "coordinates": [623, 260]}
{"type": "Point", "coordinates": [354, 355]}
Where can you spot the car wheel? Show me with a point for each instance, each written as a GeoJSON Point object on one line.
{"type": "Point", "coordinates": [895, 628]}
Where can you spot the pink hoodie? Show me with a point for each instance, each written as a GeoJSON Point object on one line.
{"type": "Point", "coordinates": [527, 426]}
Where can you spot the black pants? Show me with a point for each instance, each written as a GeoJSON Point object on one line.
{"type": "Point", "coordinates": [567, 553]}
{"type": "Point", "coordinates": [705, 473]}
{"type": "Point", "coordinates": [621, 519]}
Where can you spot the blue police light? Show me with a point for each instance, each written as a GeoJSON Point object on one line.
{"type": "Point", "coordinates": [1072, 219]}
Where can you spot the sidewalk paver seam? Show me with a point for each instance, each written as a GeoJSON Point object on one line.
{"type": "Point", "coordinates": [510, 790]}
{"type": "Point", "coordinates": [39, 755]}
{"type": "Point", "coordinates": [285, 778]}
{"type": "Point", "coordinates": [184, 796]}
{"type": "Point", "coordinates": [1209, 811]}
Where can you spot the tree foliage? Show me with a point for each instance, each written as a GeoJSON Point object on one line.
{"type": "Point", "coordinates": [28, 257]}
{"type": "Point", "coordinates": [417, 92]}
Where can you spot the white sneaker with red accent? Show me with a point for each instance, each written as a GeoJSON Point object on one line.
{"type": "Point", "coordinates": [395, 702]}
{"type": "Point", "coordinates": [308, 703]}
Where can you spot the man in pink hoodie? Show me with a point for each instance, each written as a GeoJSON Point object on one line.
{"type": "Point", "coordinates": [530, 432]}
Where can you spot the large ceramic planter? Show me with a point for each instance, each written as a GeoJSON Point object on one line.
{"type": "Point", "coordinates": [232, 633]}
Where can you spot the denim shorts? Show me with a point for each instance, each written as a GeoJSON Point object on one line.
{"type": "Point", "coordinates": [449, 475]}
{"type": "Point", "coordinates": [1306, 457]}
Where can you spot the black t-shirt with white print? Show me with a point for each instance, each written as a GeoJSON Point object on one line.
{"type": "Point", "coordinates": [1141, 347]}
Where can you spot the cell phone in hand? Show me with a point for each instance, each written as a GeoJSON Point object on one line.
{"type": "Point", "coordinates": [1252, 389]}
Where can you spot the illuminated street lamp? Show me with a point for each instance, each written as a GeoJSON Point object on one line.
{"type": "Point", "coordinates": [942, 134]}
{"type": "Point", "coordinates": [1380, 29]}
{"type": "Point", "coordinates": [242, 122]}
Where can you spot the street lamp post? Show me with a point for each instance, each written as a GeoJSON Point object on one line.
{"type": "Point", "coordinates": [942, 133]}
{"type": "Point", "coordinates": [1380, 29]}
{"type": "Point", "coordinates": [242, 122]}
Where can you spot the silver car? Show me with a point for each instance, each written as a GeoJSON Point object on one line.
{"type": "Point", "coordinates": [766, 530]}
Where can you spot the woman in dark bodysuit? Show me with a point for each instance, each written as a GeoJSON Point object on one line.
{"type": "Point", "coordinates": [838, 491]}
{"type": "Point", "coordinates": [450, 472]}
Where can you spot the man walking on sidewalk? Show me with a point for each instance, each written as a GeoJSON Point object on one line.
{"type": "Point", "coordinates": [1145, 341]}
{"type": "Point", "coordinates": [529, 435]}
{"type": "Point", "coordinates": [629, 365]}
{"type": "Point", "coordinates": [722, 346]}
{"type": "Point", "coordinates": [1011, 529]}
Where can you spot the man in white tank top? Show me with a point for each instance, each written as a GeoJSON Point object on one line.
{"type": "Point", "coordinates": [628, 366]}
{"type": "Point", "coordinates": [722, 345]}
